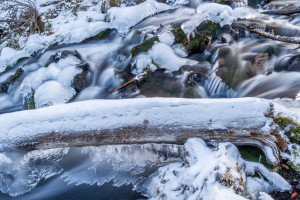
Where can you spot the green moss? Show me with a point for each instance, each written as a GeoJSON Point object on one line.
{"type": "Point", "coordinates": [144, 47]}
{"type": "Point", "coordinates": [31, 105]}
{"type": "Point", "coordinates": [291, 127]}
{"type": "Point", "coordinates": [178, 34]}
{"type": "Point", "coordinates": [14, 77]}
{"type": "Point", "coordinates": [140, 1]}
{"type": "Point", "coordinates": [197, 44]}
{"type": "Point", "coordinates": [9, 68]}
{"type": "Point", "coordinates": [29, 102]}
{"type": "Point", "coordinates": [211, 26]}
{"type": "Point", "coordinates": [254, 154]}
{"type": "Point", "coordinates": [101, 35]}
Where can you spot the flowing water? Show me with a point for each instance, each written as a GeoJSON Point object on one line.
{"type": "Point", "coordinates": [111, 172]}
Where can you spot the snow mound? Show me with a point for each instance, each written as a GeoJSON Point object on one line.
{"type": "Point", "coordinates": [208, 173]}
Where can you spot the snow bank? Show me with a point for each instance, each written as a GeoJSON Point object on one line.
{"type": "Point", "coordinates": [208, 173]}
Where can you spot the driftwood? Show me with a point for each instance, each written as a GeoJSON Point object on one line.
{"type": "Point", "coordinates": [139, 121]}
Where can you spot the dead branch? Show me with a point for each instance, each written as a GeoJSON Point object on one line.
{"type": "Point", "coordinates": [282, 12]}
{"type": "Point", "coordinates": [293, 40]}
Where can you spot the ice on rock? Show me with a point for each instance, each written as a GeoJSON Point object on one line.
{"type": "Point", "coordinates": [179, 50]}
{"type": "Point", "coordinates": [9, 56]}
{"type": "Point", "coordinates": [218, 13]}
{"type": "Point", "coordinates": [51, 93]}
{"type": "Point", "coordinates": [167, 60]}
{"type": "Point", "coordinates": [218, 173]}
{"type": "Point", "coordinates": [52, 85]}
{"type": "Point", "coordinates": [122, 18]}
{"type": "Point", "coordinates": [167, 38]}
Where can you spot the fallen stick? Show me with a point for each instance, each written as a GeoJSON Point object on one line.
{"type": "Point", "coordinates": [138, 121]}
{"type": "Point", "coordinates": [124, 85]}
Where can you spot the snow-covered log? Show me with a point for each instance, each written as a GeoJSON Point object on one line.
{"type": "Point", "coordinates": [246, 121]}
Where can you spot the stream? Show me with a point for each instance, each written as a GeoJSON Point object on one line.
{"type": "Point", "coordinates": [251, 66]}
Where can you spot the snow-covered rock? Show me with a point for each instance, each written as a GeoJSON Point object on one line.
{"type": "Point", "coordinates": [208, 173]}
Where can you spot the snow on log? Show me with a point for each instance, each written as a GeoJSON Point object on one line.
{"type": "Point", "coordinates": [246, 121]}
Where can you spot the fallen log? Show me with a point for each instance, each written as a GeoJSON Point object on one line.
{"type": "Point", "coordinates": [245, 121]}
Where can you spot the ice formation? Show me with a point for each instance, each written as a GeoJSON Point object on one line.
{"type": "Point", "coordinates": [21, 173]}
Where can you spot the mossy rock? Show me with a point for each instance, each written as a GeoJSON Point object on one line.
{"type": "Point", "coordinates": [291, 128]}
{"type": "Point", "coordinates": [29, 102]}
{"type": "Point", "coordinates": [99, 36]}
{"type": "Point", "coordinates": [199, 39]}
{"type": "Point", "coordinates": [16, 64]}
{"type": "Point", "coordinates": [144, 47]}
{"type": "Point", "coordinates": [14, 77]}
